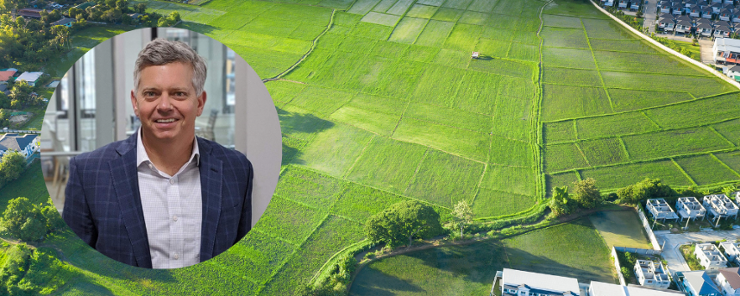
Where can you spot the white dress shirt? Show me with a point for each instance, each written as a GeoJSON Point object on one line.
{"type": "Point", "coordinates": [172, 208]}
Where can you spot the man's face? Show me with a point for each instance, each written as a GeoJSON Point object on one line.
{"type": "Point", "coordinates": [166, 102]}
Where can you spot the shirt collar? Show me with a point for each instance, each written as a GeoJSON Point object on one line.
{"type": "Point", "coordinates": [142, 156]}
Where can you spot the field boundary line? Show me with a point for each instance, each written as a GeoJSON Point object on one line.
{"type": "Point", "coordinates": [641, 109]}
{"type": "Point", "coordinates": [586, 17]}
{"type": "Point", "coordinates": [667, 49]}
{"type": "Point", "coordinates": [418, 167]}
{"type": "Point", "coordinates": [480, 181]}
{"type": "Point", "coordinates": [275, 237]}
{"type": "Point", "coordinates": [624, 148]}
{"type": "Point", "coordinates": [684, 172]}
{"type": "Point", "coordinates": [536, 146]}
{"type": "Point", "coordinates": [575, 130]}
{"type": "Point", "coordinates": [596, 63]}
{"type": "Point", "coordinates": [721, 136]}
{"type": "Point", "coordinates": [583, 154]}
{"type": "Point", "coordinates": [362, 153]}
{"type": "Point", "coordinates": [310, 50]}
{"type": "Point", "coordinates": [724, 164]}
{"type": "Point", "coordinates": [660, 128]}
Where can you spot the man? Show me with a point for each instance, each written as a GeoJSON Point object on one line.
{"type": "Point", "coordinates": [162, 198]}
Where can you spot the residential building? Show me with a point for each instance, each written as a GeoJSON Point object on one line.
{"type": "Point", "coordinates": [605, 289]}
{"type": "Point", "coordinates": [65, 21]}
{"type": "Point", "coordinates": [635, 5]}
{"type": "Point", "coordinates": [30, 77]}
{"type": "Point", "coordinates": [725, 14]}
{"type": "Point", "coordinates": [734, 72]}
{"type": "Point", "coordinates": [709, 256]}
{"type": "Point", "coordinates": [699, 283]}
{"type": "Point", "coordinates": [731, 251]}
{"type": "Point", "coordinates": [706, 12]}
{"type": "Point", "coordinates": [660, 209]}
{"type": "Point", "coordinates": [694, 10]}
{"type": "Point", "coordinates": [676, 8]}
{"type": "Point", "coordinates": [726, 50]}
{"type": "Point", "coordinates": [690, 208]}
{"type": "Point", "coordinates": [704, 29]}
{"type": "Point", "coordinates": [6, 75]}
{"type": "Point", "coordinates": [30, 12]}
{"type": "Point", "coordinates": [719, 205]}
{"type": "Point", "coordinates": [523, 283]}
{"type": "Point", "coordinates": [683, 26]}
{"type": "Point", "coordinates": [665, 7]}
{"type": "Point", "coordinates": [728, 280]}
{"type": "Point", "coordinates": [623, 3]}
{"type": "Point", "coordinates": [650, 274]}
{"type": "Point", "coordinates": [26, 145]}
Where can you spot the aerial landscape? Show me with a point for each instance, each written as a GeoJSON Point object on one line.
{"type": "Point", "coordinates": [546, 137]}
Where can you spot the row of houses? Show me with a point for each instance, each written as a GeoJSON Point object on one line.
{"type": "Point", "coordinates": [704, 27]}
{"type": "Point", "coordinates": [708, 9]}
{"type": "Point", "coordinates": [725, 282]}
{"type": "Point", "coordinates": [716, 205]}
{"type": "Point", "coordinates": [35, 13]}
{"type": "Point", "coordinates": [523, 283]}
{"type": "Point", "coordinates": [12, 74]}
{"type": "Point", "coordinates": [632, 4]}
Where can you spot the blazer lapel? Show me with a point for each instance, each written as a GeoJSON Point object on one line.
{"type": "Point", "coordinates": [210, 186]}
{"type": "Point", "coordinates": [126, 184]}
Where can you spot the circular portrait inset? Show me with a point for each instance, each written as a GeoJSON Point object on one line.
{"type": "Point", "coordinates": [163, 147]}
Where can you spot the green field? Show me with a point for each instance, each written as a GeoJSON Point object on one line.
{"type": "Point", "coordinates": [470, 269]}
{"type": "Point", "coordinates": [621, 229]}
{"type": "Point", "coordinates": [389, 106]}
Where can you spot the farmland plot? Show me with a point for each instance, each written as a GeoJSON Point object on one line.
{"type": "Point", "coordinates": [604, 151]}
{"type": "Point", "coordinates": [637, 62]}
{"type": "Point", "coordinates": [407, 30]}
{"type": "Point", "coordinates": [510, 152]}
{"type": "Point", "coordinates": [562, 21]}
{"type": "Point", "coordinates": [348, 143]}
{"type": "Point", "coordinates": [730, 130]}
{"type": "Point", "coordinates": [560, 37]}
{"type": "Point", "coordinates": [613, 125]}
{"type": "Point", "coordinates": [691, 112]}
{"type": "Point", "coordinates": [697, 86]}
{"type": "Point", "coordinates": [634, 46]}
{"type": "Point", "coordinates": [561, 131]}
{"type": "Point", "coordinates": [559, 180]}
{"type": "Point", "coordinates": [457, 141]}
{"type": "Point", "coordinates": [705, 169]}
{"type": "Point", "coordinates": [564, 102]}
{"type": "Point", "coordinates": [563, 157]}
{"type": "Point", "coordinates": [615, 177]}
{"type": "Point", "coordinates": [492, 203]}
{"type": "Point", "coordinates": [308, 187]}
{"type": "Point", "coordinates": [566, 76]}
{"type": "Point", "coordinates": [568, 58]}
{"type": "Point", "coordinates": [445, 179]}
{"type": "Point", "coordinates": [517, 180]}
{"type": "Point", "coordinates": [673, 143]}
{"type": "Point", "coordinates": [358, 203]}
{"type": "Point", "coordinates": [629, 99]}
{"type": "Point", "coordinates": [731, 159]}
{"type": "Point", "coordinates": [388, 164]}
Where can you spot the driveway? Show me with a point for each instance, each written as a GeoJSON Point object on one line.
{"type": "Point", "coordinates": [650, 13]}
{"type": "Point", "coordinates": [672, 253]}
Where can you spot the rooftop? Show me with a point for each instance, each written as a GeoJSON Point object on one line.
{"type": "Point", "coordinates": [541, 280]}
{"type": "Point", "coordinates": [15, 142]}
{"type": "Point", "coordinates": [29, 76]}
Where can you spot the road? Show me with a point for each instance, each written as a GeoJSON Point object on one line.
{"type": "Point", "coordinates": [650, 13]}
{"type": "Point", "coordinates": [672, 253]}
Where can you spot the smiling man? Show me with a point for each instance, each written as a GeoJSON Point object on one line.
{"type": "Point", "coordinates": [162, 198]}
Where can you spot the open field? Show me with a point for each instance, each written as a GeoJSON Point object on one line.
{"type": "Point", "coordinates": [470, 269]}
{"type": "Point", "coordinates": [389, 106]}
{"type": "Point", "coordinates": [621, 229]}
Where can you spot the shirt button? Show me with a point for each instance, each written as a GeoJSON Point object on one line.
{"type": "Point", "coordinates": [174, 218]}
{"type": "Point", "coordinates": [151, 166]}
{"type": "Point", "coordinates": [172, 181]}
{"type": "Point", "coordinates": [176, 256]}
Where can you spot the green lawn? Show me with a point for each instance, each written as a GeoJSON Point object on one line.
{"type": "Point", "coordinates": [470, 269]}
{"type": "Point", "coordinates": [621, 229]}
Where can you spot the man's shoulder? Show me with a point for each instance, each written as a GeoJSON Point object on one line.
{"type": "Point", "coordinates": [105, 153]}
{"type": "Point", "coordinates": [229, 156]}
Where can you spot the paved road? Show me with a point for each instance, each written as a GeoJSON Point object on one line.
{"type": "Point", "coordinates": [672, 253]}
{"type": "Point", "coordinates": [650, 14]}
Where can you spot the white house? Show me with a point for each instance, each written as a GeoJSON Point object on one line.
{"type": "Point", "coordinates": [699, 283]}
{"type": "Point", "coordinates": [734, 72]}
{"type": "Point", "coordinates": [728, 280]}
{"type": "Point", "coordinates": [719, 205]}
{"type": "Point", "coordinates": [26, 145]}
{"type": "Point", "coordinates": [30, 77]}
{"type": "Point", "coordinates": [652, 275]}
{"type": "Point", "coordinates": [726, 50]}
{"type": "Point", "coordinates": [690, 208]}
{"type": "Point", "coordinates": [731, 251]}
{"type": "Point", "coordinates": [660, 209]}
{"type": "Point", "coordinates": [522, 283]}
{"type": "Point", "coordinates": [709, 256]}
{"type": "Point", "coordinates": [605, 289]}
{"type": "Point", "coordinates": [704, 29]}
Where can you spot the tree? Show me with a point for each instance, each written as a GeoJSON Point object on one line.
{"type": "Point", "coordinates": [21, 91]}
{"type": "Point", "coordinates": [647, 188]}
{"type": "Point", "coordinates": [23, 220]}
{"type": "Point", "coordinates": [561, 204]}
{"type": "Point", "coordinates": [728, 190]}
{"type": "Point", "coordinates": [586, 193]}
{"type": "Point", "coordinates": [141, 8]}
{"type": "Point", "coordinates": [12, 165]}
{"type": "Point", "coordinates": [402, 222]}
{"type": "Point", "coordinates": [462, 215]}
{"type": "Point", "coordinates": [54, 221]}
{"type": "Point", "coordinates": [122, 4]}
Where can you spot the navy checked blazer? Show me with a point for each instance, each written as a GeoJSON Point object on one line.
{"type": "Point", "coordinates": [103, 206]}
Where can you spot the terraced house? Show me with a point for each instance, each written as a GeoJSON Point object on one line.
{"type": "Point", "coordinates": [709, 256]}
{"type": "Point", "coordinates": [731, 251]}
{"type": "Point", "coordinates": [720, 206]}
{"type": "Point", "coordinates": [660, 209]}
{"type": "Point", "coordinates": [26, 144]}
{"type": "Point", "coordinates": [650, 274]}
{"type": "Point", "coordinates": [690, 208]}
{"type": "Point", "coordinates": [728, 280]}
{"type": "Point", "coordinates": [523, 283]}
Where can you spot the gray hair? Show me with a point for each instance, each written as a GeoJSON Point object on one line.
{"type": "Point", "coordinates": [162, 51]}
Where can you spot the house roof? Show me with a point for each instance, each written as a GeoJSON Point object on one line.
{"type": "Point", "coordinates": [701, 282]}
{"type": "Point", "coordinates": [29, 76]}
{"type": "Point", "coordinates": [606, 289]}
{"type": "Point", "coordinates": [732, 275]}
{"type": "Point", "coordinates": [727, 44]}
{"type": "Point", "coordinates": [15, 142]}
{"type": "Point", "coordinates": [704, 26]}
{"type": "Point", "coordinates": [5, 75]}
{"type": "Point", "coordinates": [63, 21]}
{"type": "Point", "coordinates": [684, 23]}
{"type": "Point", "coordinates": [667, 15]}
{"type": "Point", "coordinates": [541, 280]}
{"type": "Point", "coordinates": [722, 23]}
{"type": "Point", "coordinates": [684, 18]}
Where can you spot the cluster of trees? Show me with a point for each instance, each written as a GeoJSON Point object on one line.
{"type": "Point", "coordinates": [13, 163]}
{"type": "Point", "coordinates": [400, 223]}
{"type": "Point", "coordinates": [117, 11]}
{"type": "Point", "coordinates": [585, 196]}
{"type": "Point", "coordinates": [30, 42]}
{"type": "Point", "coordinates": [29, 222]}
{"type": "Point", "coordinates": [32, 271]}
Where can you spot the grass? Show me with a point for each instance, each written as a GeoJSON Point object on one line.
{"type": "Point", "coordinates": [621, 229]}
{"type": "Point", "coordinates": [568, 57]}
{"type": "Point", "coordinates": [469, 270]}
{"type": "Point", "coordinates": [565, 101]}
{"type": "Point", "coordinates": [673, 143]}
{"type": "Point", "coordinates": [705, 169]}
{"type": "Point", "coordinates": [615, 177]}
{"type": "Point", "coordinates": [358, 203]}
{"type": "Point", "coordinates": [562, 131]}
{"type": "Point", "coordinates": [407, 30]}
{"type": "Point", "coordinates": [491, 203]}
{"type": "Point", "coordinates": [388, 164]}
{"type": "Point", "coordinates": [576, 77]}
{"type": "Point", "coordinates": [435, 33]}
{"type": "Point", "coordinates": [30, 184]}
{"type": "Point", "coordinates": [614, 125]}
{"type": "Point", "coordinates": [348, 142]}
{"type": "Point", "coordinates": [630, 99]}
{"type": "Point", "coordinates": [697, 86]}
{"type": "Point", "coordinates": [691, 116]}
{"type": "Point", "coordinates": [460, 179]}
{"type": "Point", "coordinates": [563, 157]}
{"type": "Point", "coordinates": [604, 151]}
{"type": "Point", "coordinates": [517, 180]}
{"type": "Point", "coordinates": [290, 221]}
{"type": "Point", "coordinates": [638, 62]}
{"type": "Point", "coordinates": [560, 180]}
{"type": "Point", "coordinates": [561, 37]}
